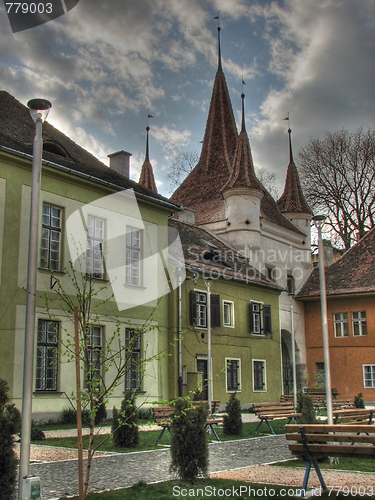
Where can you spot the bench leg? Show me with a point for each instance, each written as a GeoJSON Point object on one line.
{"type": "Point", "coordinates": [210, 426]}
{"type": "Point", "coordinates": [269, 426]}
{"type": "Point", "coordinates": [161, 434]}
{"type": "Point", "coordinates": [307, 474]}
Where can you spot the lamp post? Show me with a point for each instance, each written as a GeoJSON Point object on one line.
{"type": "Point", "coordinates": [293, 353]}
{"type": "Point", "coordinates": [208, 282]}
{"type": "Point", "coordinates": [319, 221]}
{"type": "Point", "coordinates": [39, 109]}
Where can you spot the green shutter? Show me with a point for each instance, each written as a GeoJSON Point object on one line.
{"type": "Point", "coordinates": [215, 311]}
{"type": "Point", "coordinates": [193, 307]}
{"type": "Point", "coordinates": [267, 319]}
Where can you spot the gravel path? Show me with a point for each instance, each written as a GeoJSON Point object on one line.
{"type": "Point", "coordinates": [120, 470]}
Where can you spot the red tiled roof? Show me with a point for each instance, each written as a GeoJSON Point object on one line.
{"type": "Point", "coordinates": [17, 131]}
{"type": "Point", "coordinates": [215, 163]}
{"type": "Point", "coordinates": [147, 179]}
{"type": "Point", "coordinates": [353, 272]}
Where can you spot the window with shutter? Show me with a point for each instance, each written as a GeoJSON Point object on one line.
{"type": "Point", "coordinates": [233, 374]}
{"type": "Point", "coordinates": [260, 318]}
{"type": "Point", "coordinates": [198, 309]}
{"type": "Point", "coordinates": [259, 376]}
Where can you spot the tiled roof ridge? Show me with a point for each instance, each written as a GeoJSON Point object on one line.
{"type": "Point", "coordinates": [17, 132]}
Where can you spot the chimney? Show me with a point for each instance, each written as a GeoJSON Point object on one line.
{"type": "Point", "coordinates": [187, 215]}
{"type": "Point", "coordinates": [120, 162]}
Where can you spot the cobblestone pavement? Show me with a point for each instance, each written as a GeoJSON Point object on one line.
{"type": "Point", "coordinates": [122, 470]}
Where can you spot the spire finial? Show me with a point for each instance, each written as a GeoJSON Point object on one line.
{"type": "Point", "coordinates": [243, 127]}
{"type": "Point", "coordinates": [218, 38]}
{"type": "Point", "coordinates": [291, 160]}
{"type": "Point", "coordinates": [147, 139]}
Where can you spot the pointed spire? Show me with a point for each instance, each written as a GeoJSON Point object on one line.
{"type": "Point", "coordinates": [147, 179]}
{"type": "Point", "coordinates": [243, 172]}
{"type": "Point", "coordinates": [219, 67]}
{"type": "Point", "coordinates": [290, 147]}
{"type": "Point", "coordinates": [292, 200]}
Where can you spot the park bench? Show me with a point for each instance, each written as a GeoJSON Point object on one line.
{"type": "Point", "coordinates": [162, 417]}
{"type": "Point", "coordinates": [353, 416]}
{"type": "Point", "coordinates": [315, 441]}
{"type": "Point", "coordinates": [266, 412]}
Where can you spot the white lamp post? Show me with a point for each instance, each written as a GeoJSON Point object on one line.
{"type": "Point", "coordinates": [319, 221]}
{"type": "Point", "coordinates": [39, 109]}
{"type": "Point", "coordinates": [208, 282]}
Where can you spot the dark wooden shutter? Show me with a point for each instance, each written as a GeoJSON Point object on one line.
{"type": "Point", "coordinates": [232, 375]}
{"type": "Point", "coordinates": [215, 311]}
{"type": "Point", "coordinates": [258, 375]}
{"type": "Point", "coordinates": [193, 307]}
{"type": "Point", "coordinates": [267, 319]}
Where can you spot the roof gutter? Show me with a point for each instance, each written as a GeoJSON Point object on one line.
{"type": "Point", "coordinates": [166, 204]}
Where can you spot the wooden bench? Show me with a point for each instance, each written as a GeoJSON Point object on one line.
{"type": "Point", "coordinates": [314, 441]}
{"type": "Point", "coordinates": [162, 417]}
{"type": "Point", "coordinates": [353, 416]}
{"type": "Point", "coordinates": [274, 411]}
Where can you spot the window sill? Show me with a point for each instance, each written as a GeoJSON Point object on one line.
{"type": "Point", "coordinates": [45, 393]}
{"type": "Point", "coordinates": [139, 287]}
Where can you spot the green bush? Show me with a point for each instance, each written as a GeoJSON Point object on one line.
{"type": "Point", "coordinates": [358, 401]}
{"type": "Point", "coordinates": [189, 448]}
{"type": "Point", "coordinates": [101, 412]}
{"type": "Point", "coordinates": [124, 423]}
{"type": "Point", "coordinates": [36, 433]}
{"type": "Point", "coordinates": [305, 406]}
{"type": "Point", "coordinates": [233, 420]}
{"type": "Point", "coordinates": [69, 416]}
{"type": "Point", "coordinates": [10, 422]}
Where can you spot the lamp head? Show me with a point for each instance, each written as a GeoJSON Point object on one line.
{"type": "Point", "coordinates": [39, 109]}
{"type": "Point", "coordinates": [319, 220]}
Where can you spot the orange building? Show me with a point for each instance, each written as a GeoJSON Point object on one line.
{"type": "Point", "coordinates": [350, 284]}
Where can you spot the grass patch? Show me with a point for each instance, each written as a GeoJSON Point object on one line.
{"type": "Point", "coordinates": [203, 489]}
{"type": "Point", "coordinates": [148, 438]}
{"type": "Point", "coordinates": [349, 464]}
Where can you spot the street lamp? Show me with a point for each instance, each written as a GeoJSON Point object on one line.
{"type": "Point", "coordinates": [39, 109]}
{"type": "Point", "coordinates": [319, 222]}
{"type": "Point", "coordinates": [208, 282]}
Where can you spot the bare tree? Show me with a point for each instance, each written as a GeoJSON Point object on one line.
{"type": "Point", "coordinates": [269, 181]}
{"type": "Point", "coordinates": [183, 164]}
{"type": "Point", "coordinates": [338, 178]}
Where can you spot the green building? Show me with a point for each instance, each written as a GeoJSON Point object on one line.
{"type": "Point", "coordinates": [119, 226]}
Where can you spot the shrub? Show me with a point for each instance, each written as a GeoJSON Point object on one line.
{"type": "Point", "coordinates": [36, 433]}
{"type": "Point", "coordinates": [358, 401]}
{"type": "Point", "coordinates": [69, 416]}
{"type": "Point", "coordinates": [10, 420]}
{"type": "Point", "coordinates": [189, 449]}
{"type": "Point", "coordinates": [101, 412]}
{"type": "Point", "coordinates": [305, 406]}
{"type": "Point", "coordinates": [124, 423]}
{"type": "Point", "coordinates": [233, 420]}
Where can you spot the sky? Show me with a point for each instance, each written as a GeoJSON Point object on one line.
{"type": "Point", "coordinates": [107, 65]}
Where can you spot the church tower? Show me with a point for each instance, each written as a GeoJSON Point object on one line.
{"type": "Point", "coordinates": [147, 179]}
{"type": "Point", "coordinates": [242, 195]}
{"type": "Point", "coordinates": [292, 203]}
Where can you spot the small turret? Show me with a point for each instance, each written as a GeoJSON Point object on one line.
{"type": "Point", "coordinates": [292, 203]}
{"type": "Point", "coordinates": [242, 194]}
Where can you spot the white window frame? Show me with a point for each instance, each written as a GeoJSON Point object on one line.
{"type": "Point", "coordinates": [95, 351]}
{"type": "Point", "coordinates": [133, 353]}
{"type": "Point", "coordinates": [359, 323]}
{"type": "Point", "coordinates": [51, 238]}
{"type": "Point", "coordinates": [95, 247]}
{"type": "Point", "coordinates": [341, 324]}
{"type": "Point", "coordinates": [257, 314]}
{"type": "Point", "coordinates": [263, 361]}
{"type": "Point", "coordinates": [201, 309]}
{"type": "Point", "coordinates": [133, 256]}
{"type": "Point", "coordinates": [228, 304]}
{"type": "Point", "coordinates": [228, 361]}
{"type": "Point", "coordinates": [371, 371]}
{"type": "Point", "coordinates": [47, 355]}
